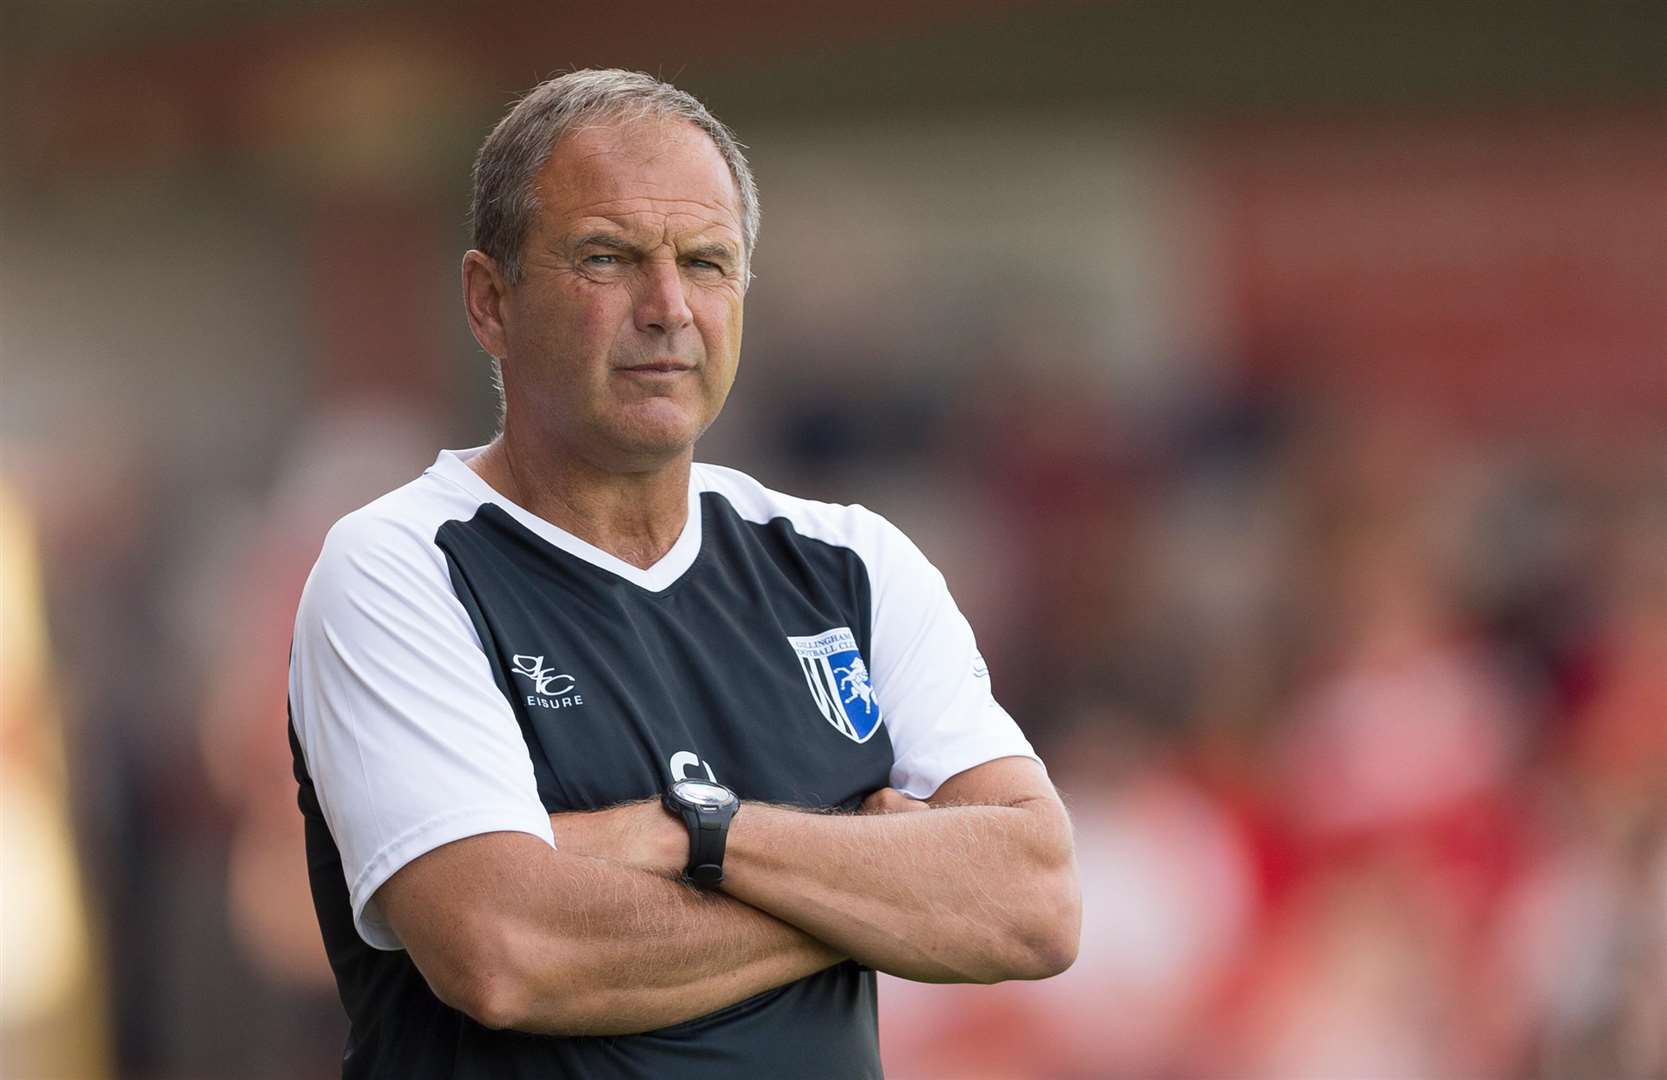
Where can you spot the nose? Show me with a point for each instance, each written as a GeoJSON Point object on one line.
{"type": "Point", "coordinates": [661, 303]}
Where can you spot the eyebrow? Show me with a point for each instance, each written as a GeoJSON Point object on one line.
{"type": "Point", "coordinates": [710, 249]}
{"type": "Point", "coordinates": [604, 240]}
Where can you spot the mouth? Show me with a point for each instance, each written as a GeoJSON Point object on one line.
{"type": "Point", "coordinates": [657, 367]}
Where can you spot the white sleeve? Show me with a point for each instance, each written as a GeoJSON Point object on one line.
{"type": "Point", "coordinates": [929, 678]}
{"type": "Point", "coordinates": [407, 738]}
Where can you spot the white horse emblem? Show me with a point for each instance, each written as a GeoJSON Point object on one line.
{"type": "Point", "coordinates": [855, 679]}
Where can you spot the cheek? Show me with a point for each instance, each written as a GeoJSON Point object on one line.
{"type": "Point", "coordinates": [723, 329]}
{"type": "Point", "coordinates": [735, 326]}
{"type": "Point", "coordinates": [570, 326]}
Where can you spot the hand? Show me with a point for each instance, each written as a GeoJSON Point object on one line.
{"type": "Point", "coordinates": [891, 801]}
{"type": "Point", "coordinates": [639, 834]}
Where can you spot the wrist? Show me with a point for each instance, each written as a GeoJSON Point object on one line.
{"type": "Point", "coordinates": [668, 843]}
{"type": "Point", "coordinates": [705, 809]}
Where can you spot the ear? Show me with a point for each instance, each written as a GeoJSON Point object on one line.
{"type": "Point", "coordinates": [484, 294]}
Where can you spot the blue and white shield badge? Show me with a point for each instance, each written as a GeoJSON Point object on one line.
{"type": "Point", "coordinates": [838, 680]}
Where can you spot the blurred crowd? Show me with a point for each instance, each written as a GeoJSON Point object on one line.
{"type": "Point", "coordinates": [1363, 723]}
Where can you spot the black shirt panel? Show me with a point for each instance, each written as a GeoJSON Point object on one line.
{"type": "Point", "coordinates": [703, 667]}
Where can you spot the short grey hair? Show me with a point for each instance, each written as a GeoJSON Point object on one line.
{"type": "Point", "coordinates": [505, 199]}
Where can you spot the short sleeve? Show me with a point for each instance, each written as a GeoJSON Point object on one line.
{"type": "Point", "coordinates": [929, 678]}
{"type": "Point", "coordinates": [407, 739]}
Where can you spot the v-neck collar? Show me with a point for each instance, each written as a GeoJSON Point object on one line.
{"type": "Point", "coordinates": [453, 465]}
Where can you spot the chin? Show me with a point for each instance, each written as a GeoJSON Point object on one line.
{"type": "Point", "coordinates": [642, 450]}
{"type": "Point", "coordinates": [659, 433]}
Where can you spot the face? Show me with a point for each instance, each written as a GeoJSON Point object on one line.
{"type": "Point", "coordinates": [622, 336]}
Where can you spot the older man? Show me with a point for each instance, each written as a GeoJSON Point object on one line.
{"type": "Point", "coordinates": [604, 755]}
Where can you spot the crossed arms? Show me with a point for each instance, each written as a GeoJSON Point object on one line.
{"type": "Point", "coordinates": [597, 937]}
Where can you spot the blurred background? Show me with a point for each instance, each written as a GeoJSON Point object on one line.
{"type": "Point", "coordinates": [1282, 389]}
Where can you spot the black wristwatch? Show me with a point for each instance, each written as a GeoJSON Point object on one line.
{"type": "Point", "coordinates": [705, 808]}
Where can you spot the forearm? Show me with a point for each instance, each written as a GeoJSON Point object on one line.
{"type": "Point", "coordinates": [519, 936]}
{"type": "Point", "coordinates": [954, 894]}
{"type": "Point", "coordinates": [641, 952]}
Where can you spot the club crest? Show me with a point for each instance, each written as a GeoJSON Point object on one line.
{"type": "Point", "coordinates": [839, 682]}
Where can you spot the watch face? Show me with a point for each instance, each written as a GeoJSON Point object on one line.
{"type": "Point", "coordinates": [704, 795]}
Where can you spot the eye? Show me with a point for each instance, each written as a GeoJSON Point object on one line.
{"type": "Point", "coordinates": [601, 260]}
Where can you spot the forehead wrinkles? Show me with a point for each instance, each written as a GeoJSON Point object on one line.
{"type": "Point", "coordinates": [643, 167]}
{"type": "Point", "coordinates": [644, 218]}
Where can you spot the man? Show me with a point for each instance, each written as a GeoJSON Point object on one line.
{"type": "Point", "coordinates": [600, 744]}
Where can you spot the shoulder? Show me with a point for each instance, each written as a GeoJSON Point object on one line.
{"type": "Point", "coordinates": [415, 510]}
{"type": "Point", "coordinates": [851, 526]}
{"type": "Point", "coordinates": [389, 541]}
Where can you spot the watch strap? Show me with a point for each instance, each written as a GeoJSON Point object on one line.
{"type": "Point", "coordinates": [708, 835]}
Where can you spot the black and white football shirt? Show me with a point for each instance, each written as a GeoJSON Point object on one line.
{"type": "Point", "coordinates": [461, 666]}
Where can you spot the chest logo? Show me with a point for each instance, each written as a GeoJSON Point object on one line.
{"type": "Point", "coordinates": [552, 689]}
{"type": "Point", "coordinates": [839, 683]}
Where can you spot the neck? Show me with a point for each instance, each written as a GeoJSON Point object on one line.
{"type": "Point", "coordinates": [635, 517]}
